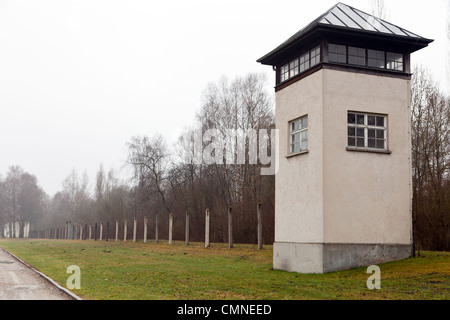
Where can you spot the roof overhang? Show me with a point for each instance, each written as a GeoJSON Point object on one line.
{"type": "Point", "coordinates": [351, 26]}
{"type": "Point", "coordinates": [340, 34]}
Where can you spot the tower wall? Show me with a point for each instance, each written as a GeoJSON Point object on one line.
{"type": "Point", "coordinates": [299, 181]}
{"type": "Point", "coordinates": [367, 195]}
{"type": "Point", "coordinates": [336, 208]}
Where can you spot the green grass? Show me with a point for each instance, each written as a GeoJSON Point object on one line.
{"type": "Point", "coordinates": [127, 270]}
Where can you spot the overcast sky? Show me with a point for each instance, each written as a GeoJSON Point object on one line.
{"type": "Point", "coordinates": [79, 78]}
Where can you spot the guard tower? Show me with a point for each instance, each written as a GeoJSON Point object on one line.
{"type": "Point", "coordinates": [343, 189]}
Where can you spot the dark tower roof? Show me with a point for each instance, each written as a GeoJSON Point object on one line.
{"type": "Point", "coordinates": [343, 20]}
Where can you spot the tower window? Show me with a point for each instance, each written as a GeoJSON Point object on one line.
{"type": "Point", "coordinates": [338, 53]}
{"type": "Point", "coordinates": [293, 68]}
{"type": "Point", "coordinates": [315, 56]}
{"type": "Point", "coordinates": [357, 56]}
{"type": "Point", "coordinates": [298, 130]}
{"type": "Point", "coordinates": [367, 131]}
{"type": "Point", "coordinates": [300, 64]}
{"type": "Point", "coordinates": [365, 57]}
{"type": "Point", "coordinates": [284, 74]}
{"type": "Point", "coordinates": [375, 59]}
{"type": "Point", "coordinates": [304, 62]}
{"type": "Point", "coordinates": [394, 61]}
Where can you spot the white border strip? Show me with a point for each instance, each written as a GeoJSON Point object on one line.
{"type": "Point", "coordinates": [53, 282]}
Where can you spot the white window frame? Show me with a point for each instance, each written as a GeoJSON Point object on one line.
{"type": "Point", "coordinates": [301, 131]}
{"type": "Point", "coordinates": [366, 127]}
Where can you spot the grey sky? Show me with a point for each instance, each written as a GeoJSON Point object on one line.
{"type": "Point", "coordinates": [79, 78]}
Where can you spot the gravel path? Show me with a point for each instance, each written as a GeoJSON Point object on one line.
{"type": "Point", "coordinates": [20, 282]}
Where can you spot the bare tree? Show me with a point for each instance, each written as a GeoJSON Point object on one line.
{"type": "Point", "coordinates": [150, 159]}
{"type": "Point", "coordinates": [112, 197]}
{"type": "Point", "coordinates": [379, 9]}
{"type": "Point", "coordinates": [235, 110]}
{"type": "Point", "coordinates": [448, 45]}
{"type": "Point", "coordinates": [75, 197]}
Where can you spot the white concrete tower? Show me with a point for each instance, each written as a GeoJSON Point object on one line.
{"type": "Point", "coordinates": [343, 188]}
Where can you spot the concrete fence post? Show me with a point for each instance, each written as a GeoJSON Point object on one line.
{"type": "Point", "coordinates": [81, 232]}
{"type": "Point", "coordinates": [125, 230]}
{"type": "Point", "coordinates": [258, 210]}
{"type": "Point", "coordinates": [101, 231]}
{"type": "Point", "coordinates": [134, 229]}
{"type": "Point", "coordinates": [90, 231]}
{"type": "Point", "coordinates": [170, 227]}
{"type": "Point", "coordinates": [69, 231]}
{"type": "Point", "coordinates": [156, 228]}
{"type": "Point", "coordinates": [230, 228]}
{"type": "Point", "coordinates": [186, 235]}
{"type": "Point", "coordinates": [145, 229]}
{"type": "Point", "coordinates": [207, 216]}
{"type": "Point", "coordinates": [117, 230]}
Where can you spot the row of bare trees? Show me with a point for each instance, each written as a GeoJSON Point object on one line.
{"type": "Point", "coordinates": [431, 163]}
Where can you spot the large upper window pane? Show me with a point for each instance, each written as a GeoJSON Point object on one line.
{"type": "Point", "coordinates": [315, 56]}
{"type": "Point", "coordinates": [357, 56]}
{"type": "Point", "coordinates": [293, 68]}
{"type": "Point", "coordinates": [304, 62]}
{"type": "Point", "coordinates": [337, 53]}
{"type": "Point", "coordinates": [394, 61]}
{"type": "Point", "coordinates": [284, 73]}
{"type": "Point", "coordinates": [375, 59]}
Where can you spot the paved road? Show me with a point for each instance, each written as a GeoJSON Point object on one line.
{"type": "Point", "coordinates": [18, 282]}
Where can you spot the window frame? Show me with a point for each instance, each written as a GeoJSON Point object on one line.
{"type": "Point", "coordinates": [396, 64]}
{"type": "Point", "coordinates": [366, 127]}
{"type": "Point", "coordinates": [376, 58]}
{"type": "Point", "coordinates": [337, 53]}
{"type": "Point", "coordinates": [291, 133]}
{"type": "Point", "coordinates": [284, 73]}
{"type": "Point", "coordinates": [294, 68]}
{"type": "Point", "coordinates": [310, 58]}
{"type": "Point", "coordinates": [317, 57]}
{"type": "Point", "coordinates": [356, 55]}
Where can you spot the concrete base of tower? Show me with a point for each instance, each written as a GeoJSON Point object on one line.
{"type": "Point", "coordinates": [329, 257]}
